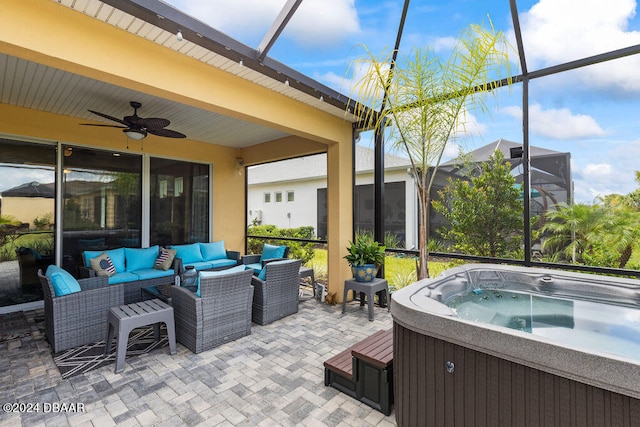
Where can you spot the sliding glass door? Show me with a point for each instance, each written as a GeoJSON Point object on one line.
{"type": "Point", "coordinates": [101, 202]}
{"type": "Point", "coordinates": [179, 199]}
{"type": "Point", "coordinates": [27, 207]}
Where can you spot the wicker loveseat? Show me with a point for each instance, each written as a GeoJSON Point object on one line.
{"type": "Point", "coordinates": [206, 256]}
{"type": "Point", "coordinates": [79, 318]}
{"type": "Point", "coordinates": [221, 314]}
{"type": "Point", "coordinates": [276, 296]}
{"type": "Point", "coordinates": [134, 269]}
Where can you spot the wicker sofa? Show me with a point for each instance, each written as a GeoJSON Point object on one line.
{"type": "Point", "coordinates": [134, 270]}
{"type": "Point", "coordinates": [221, 314]}
{"type": "Point", "coordinates": [79, 318]}
{"type": "Point", "coordinates": [276, 296]}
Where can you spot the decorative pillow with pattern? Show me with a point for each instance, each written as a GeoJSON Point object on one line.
{"type": "Point", "coordinates": [103, 265]}
{"type": "Point", "coordinates": [165, 259]}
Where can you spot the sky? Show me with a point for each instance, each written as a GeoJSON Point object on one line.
{"type": "Point", "coordinates": [591, 112]}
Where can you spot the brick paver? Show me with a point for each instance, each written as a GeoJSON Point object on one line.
{"type": "Point", "coordinates": [273, 377]}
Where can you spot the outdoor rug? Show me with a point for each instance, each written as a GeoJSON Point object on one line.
{"type": "Point", "coordinates": [83, 359]}
{"type": "Point", "coordinates": [14, 325]}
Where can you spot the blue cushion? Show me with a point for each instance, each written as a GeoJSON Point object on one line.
{"type": "Point", "coordinates": [152, 273]}
{"type": "Point", "coordinates": [116, 255]}
{"type": "Point", "coordinates": [272, 251]}
{"type": "Point", "coordinates": [217, 263]}
{"type": "Point", "coordinates": [214, 250]}
{"type": "Point", "coordinates": [216, 273]}
{"type": "Point", "coordinates": [202, 265]}
{"type": "Point", "coordinates": [188, 253]}
{"type": "Point", "coordinates": [263, 273]}
{"type": "Point", "coordinates": [138, 259]}
{"type": "Point", "coordinates": [256, 267]}
{"type": "Point", "coordinates": [124, 277]}
{"type": "Point", "coordinates": [63, 283]}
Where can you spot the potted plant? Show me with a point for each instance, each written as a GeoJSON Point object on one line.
{"type": "Point", "coordinates": [365, 256]}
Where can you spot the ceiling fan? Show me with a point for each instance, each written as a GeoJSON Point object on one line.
{"type": "Point", "coordinates": [136, 127]}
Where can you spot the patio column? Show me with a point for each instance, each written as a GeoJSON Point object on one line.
{"type": "Point", "coordinates": [339, 213]}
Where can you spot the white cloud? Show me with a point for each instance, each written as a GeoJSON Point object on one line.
{"type": "Point", "coordinates": [558, 123]}
{"type": "Point", "coordinates": [316, 23]}
{"type": "Point", "coordinates": [324, 22]}
{"type": "Point", "coordinates": [599, 178]}
{"type": "Point", "coordinates": [598, 171]}
{"type": "Point", "coordinates": [252, 17]}
{"type": "Point", "coordinates": [557, 31]}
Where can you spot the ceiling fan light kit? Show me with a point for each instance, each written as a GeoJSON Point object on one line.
{"type": "Point", "coordinates": [136, 127]}
{"type": "Point", "coordinates": [134, 133]}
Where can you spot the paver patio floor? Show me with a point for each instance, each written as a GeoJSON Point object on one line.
{"type": "Point", "coordinates": [273, 377]}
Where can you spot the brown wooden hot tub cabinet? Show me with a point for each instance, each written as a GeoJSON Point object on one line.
{"type": "Point", "coordinates": [484, 390]}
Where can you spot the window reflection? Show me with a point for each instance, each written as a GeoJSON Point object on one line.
{"type": "Point", "coordinates": [179, 202]}
{"type": "Point", "coordinates": [101, 208]}
{"type": "Point", "coordinates": [27, 207]}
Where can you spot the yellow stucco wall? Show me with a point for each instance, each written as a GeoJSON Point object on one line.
{"type": "Point", "coordinates": [26, 209]}
{"type": "Point", "coordinates": [46, 32]}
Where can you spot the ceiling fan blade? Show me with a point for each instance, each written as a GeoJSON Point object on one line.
{"type": "Point", "coordinates": [166, 133]}
{"type": "Point", "coordinates": [106, 126]}
{"type": "Point", "coordinates": [153, 123]}
{"type": "Point", "coordinates": [106, 116]}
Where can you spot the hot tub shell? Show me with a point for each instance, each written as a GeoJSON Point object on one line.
{"type": "Point", "coordinates": [449, 371]}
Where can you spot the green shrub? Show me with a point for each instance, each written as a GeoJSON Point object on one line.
{"type": "Point", "coordinates": [297, 250]}
{"type": "Point", "coordinates": [44, 222]}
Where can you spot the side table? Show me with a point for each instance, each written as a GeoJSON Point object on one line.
{"type": "Point", "coordinates": [123, 319]}
{"type": "Point", "coordinates": [367, 288]}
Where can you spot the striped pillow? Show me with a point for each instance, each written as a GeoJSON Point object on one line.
{"type": "Point", "coordinates": [165, 259]}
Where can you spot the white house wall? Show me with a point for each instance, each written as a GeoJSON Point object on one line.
{"type": "Point", "coordinates": [303, 210]}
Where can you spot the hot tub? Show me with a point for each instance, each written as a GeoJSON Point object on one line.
{"type": "Point", "coordinates": [486, 344]}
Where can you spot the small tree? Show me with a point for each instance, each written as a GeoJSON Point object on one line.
{"type": "Point", "coordinates": [485, 214]}
{"type": "Point", "coordinates": [425, 100]}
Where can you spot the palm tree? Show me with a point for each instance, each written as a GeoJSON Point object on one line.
{"type": "Point", "coordinates": [622, 228]}
{"type": "Point", "coordinates": [423, 101]}
{"type": "Point", "coordinates": [571, 229]}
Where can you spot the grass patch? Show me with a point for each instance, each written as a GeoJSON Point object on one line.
{"type": "Point", "coordinates": [399, 271]}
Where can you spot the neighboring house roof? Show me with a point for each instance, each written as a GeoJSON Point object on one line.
{"type": "Point", "coordinates": [483, 153]}
{"type": "Point", "coordinates": [313, 167]}
{"type": "Point", "coordinates": [547, 166]}
{"type": "Point", "coordinates": [36, 189]}
{"type": "Point", "coordinates": [31, 189]}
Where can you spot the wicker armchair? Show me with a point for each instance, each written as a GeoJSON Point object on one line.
{"type": "Point", "coordinates": [256, 262]}
{"type": "Point", "coordinates": [277, 295]}
{"type": "Point", "coordinates": [221, 314]}
{"type": "Point", "coordinates": [80, 318]}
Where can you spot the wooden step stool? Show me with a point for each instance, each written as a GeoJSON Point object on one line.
{"type": "Point", "coordinates": [364, 371]}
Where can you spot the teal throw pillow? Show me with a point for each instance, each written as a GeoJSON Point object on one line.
{"type": "Point", "coordinates": [63, 283]}
{"type": "Point", "coordinates": [272, 251]}
{"type": "Point", "coordinates": [213, 251]}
